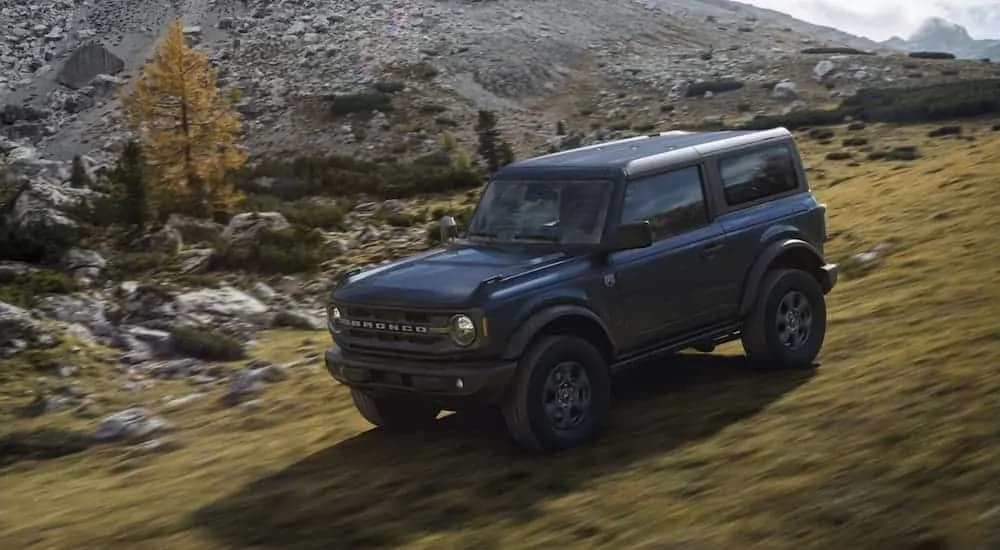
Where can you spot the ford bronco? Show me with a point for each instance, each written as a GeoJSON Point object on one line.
{"type": "Point", "coordinates": [578, 263]}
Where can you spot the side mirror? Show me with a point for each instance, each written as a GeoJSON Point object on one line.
{"type": "Point", "coordinates": [449, 228]}
{"type": "Point", "coordinates": [633, 235]}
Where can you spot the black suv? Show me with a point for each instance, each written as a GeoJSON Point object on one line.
{"type": "Point", "coordinates": [578, 263]}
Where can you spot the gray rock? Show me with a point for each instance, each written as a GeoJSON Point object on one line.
{"type": "Point", "coordinates": [251, 224]}
{"type": "Point", "coordinates": [86, 265]}
{"type": "Point", "coordinates": [19, 330]}
{"type": "Point", "coordinates": [785, 90]}
{"type": "Point", "coordinates": [131, 425]}
{"type": "Point", "coordinates": [86, 62]}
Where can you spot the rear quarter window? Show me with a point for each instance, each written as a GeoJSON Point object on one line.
{"type": "Point", "coordinates": [754, 175]}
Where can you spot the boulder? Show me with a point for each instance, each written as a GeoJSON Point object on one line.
{"type": "Point", "coordinates": [251, 224]}
{"type": "Point", "coordinates": [86, 62]}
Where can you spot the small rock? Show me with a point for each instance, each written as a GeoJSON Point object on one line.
{"type": "Point", "coordinates": [131, 425]}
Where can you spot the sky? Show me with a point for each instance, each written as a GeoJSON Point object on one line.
{"type": "Point", "coordinates": [881, 19]}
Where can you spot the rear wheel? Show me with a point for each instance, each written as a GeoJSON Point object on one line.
{"type": "Point", "coordinates": [787, 325]}
{"type": "Point", "coordinates": [394, 412]}
{"type": "Point", "coordinates": [561, 395]}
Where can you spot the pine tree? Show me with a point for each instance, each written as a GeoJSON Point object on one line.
{"type": "Point", "coordinates": [189, 127]}
{"type": "Point", "coordinates": [78, 176]}
{"type": "Point", "coordinates": [131, 188]}
{"type": "Point", "coordinates": [492, 147]}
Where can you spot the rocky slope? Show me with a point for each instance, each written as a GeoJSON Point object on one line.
{"type": "Point", "coordinates": [287, 57]}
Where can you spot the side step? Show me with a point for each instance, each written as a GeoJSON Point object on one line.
{"type": "Point", "coordinates": [704, 340]}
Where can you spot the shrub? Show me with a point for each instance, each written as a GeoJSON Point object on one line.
{"type": "Point", "coordinates": [838, 155]}
{"type": "Point", "coordinates": [368, 102]}
{"type": "Point", "coordinates": [339, 176]}
{"type": "Point", "coordinates": [78, 174]}
{"type": "Point", "coordinates": [139, 263]}
{"type": "Point", "coordinates": [319, 215]}
{"type": "Point", "coordinates": [206, 344]}
{"type": "Point", "coordinates": [821, 133]}
{"type": "Point", "coordinates": [855, 142]}
{"type": "Point", "coordinates": [388, 87]}
{"type": "Point", "coordinates": [25, 290]}
{"type": "Point", "coordinates": [905, 152]}
{"type": "Point", "coordinates": [945, 131]}
{"type": "Point", "coordinates": [293, 250]}
{"type": "Point", "coordinates": [698, 89]}
{"type": "Point", "coordinates": [37, 243]}
{"type": "Point", "coordinates": [899, 105]}
{"type": "Point", "coordinates": [931, 55]}
{"type": "Point", "coordinates": [995, 127]}
{"type": "Point", "coordinates": [856, 126]}
{"type": "Point", "coordinates": [842, 50]}
{"type": "Point", "coordinates": [796, 120]}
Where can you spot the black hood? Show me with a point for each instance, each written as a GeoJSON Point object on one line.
{"type": "Point", "coordinates": [442, 278]}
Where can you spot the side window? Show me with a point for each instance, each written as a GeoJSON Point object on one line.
{"type": "Point", "coordinates": [758, 174]}
{"type": "Point", "coordinates": [673, 202]}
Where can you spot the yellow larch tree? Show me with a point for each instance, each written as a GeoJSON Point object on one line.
{"type": "Point", "coordinates": [189, 128]}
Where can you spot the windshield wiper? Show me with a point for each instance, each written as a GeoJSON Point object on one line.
{"type": "Point", "coordinates": [536, 237]}
{"type": "Point", "coordinates": [488, 235]}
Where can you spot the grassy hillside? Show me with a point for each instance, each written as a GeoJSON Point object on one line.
{"type": "Point", "coordinates": [891, 444]}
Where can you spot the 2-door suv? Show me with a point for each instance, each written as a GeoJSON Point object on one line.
{"type": "Point", "coordinates": [581, 262]}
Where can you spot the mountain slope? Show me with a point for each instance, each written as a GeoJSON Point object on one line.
{"type": "Point", "coordinates": [938, 35]}
{"type": "Point", "coordinates": [288, 56]}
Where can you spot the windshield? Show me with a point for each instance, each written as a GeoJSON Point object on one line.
{"type": "Point", "coordinates": [564, 212]}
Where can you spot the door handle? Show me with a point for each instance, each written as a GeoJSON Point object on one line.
{"type": "Point", "coordinates": [712, 249]}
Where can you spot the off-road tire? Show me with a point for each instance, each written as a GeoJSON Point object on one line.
{"type": "Point", "coordinates": [526, 416]}
{"type": "Point", "coordinates": [762, 331]}
{"type": "Point", "coordinates": [394, 412]}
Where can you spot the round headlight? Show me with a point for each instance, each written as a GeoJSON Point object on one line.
{"type": "Point", "coordinates": [463, 330]}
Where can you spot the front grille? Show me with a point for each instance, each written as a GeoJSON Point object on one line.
{"type": "Point", "coordinates": [394, 330]}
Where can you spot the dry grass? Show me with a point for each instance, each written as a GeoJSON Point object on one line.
{"type": "Point", "coordinates": [893, 443]}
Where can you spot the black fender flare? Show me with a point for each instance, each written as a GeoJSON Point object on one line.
{"type": "Point", "coordinates": [764, 261]}
{"type": "Point", "coordinates": [530, 328]}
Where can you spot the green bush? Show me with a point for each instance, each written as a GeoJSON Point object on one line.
{"type": "Point", "coordinates": [206, 344]}
{"type": "Point", "coordinates": [931, 55]}
{"type": "Point", "coordinates": [389, 87]}
{"type": "Point", "coordinates": [855, 142]}
{"type": "Point", "coordinates": [898, 105]}
{"type": "Point", "coordinates": [338, 176]}
{"type": "Point", "coordinates": [697, 89]}
{"type": "Point", "coordinates": [25, 290]}
{"type": "Point", "coordinates": [835, 50]}
{"type": "Point", "coordinates": [995, 127]}
{"type": "Point", "coordinates": [838, 155]}
{"type": "Point", "coordinates": [367, 102]}
{"type": "Point", "coordinates": [821, 133]}
{"type": "Point", "coordinates": [905, 152]}
{"type": "Point", "coordinates": [37, 243]}
{"type": "Point", "coordinates": [320, 215]}
{"type": "Point", "coordinates": [945, 131]}
{"type": "Point", "coordinates": [293, 250]}
{"type": "Point", "coordinates": [139, 263]}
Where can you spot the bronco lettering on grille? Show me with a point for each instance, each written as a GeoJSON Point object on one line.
{"type": "Point", "coordinates": [389, 327]}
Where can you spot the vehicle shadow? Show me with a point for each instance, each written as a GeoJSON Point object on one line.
{"type": "Point", "coordinates": [380, 489]}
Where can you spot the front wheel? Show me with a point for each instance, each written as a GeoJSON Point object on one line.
{"type": "Point", "coordinates": [787, 325]}
{"type": "Point", "coordinates": [561, 395]}
{"type": "Point", "coordinates": [394, 412]}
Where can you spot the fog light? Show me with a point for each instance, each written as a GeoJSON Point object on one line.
{"type": "Point", "coordinates": [459, 383]}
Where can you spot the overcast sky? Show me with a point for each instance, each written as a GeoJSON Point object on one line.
{"type": "Point", "coordinates": [880, 19]}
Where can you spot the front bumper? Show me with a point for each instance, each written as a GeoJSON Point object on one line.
{"type": "Point", "coordinates": [479, 381]}
{"type": "Point", "coordinates": [829, 274]}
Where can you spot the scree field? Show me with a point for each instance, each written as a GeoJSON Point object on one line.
{"type": "Point", "coordinates": [892, 443]}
